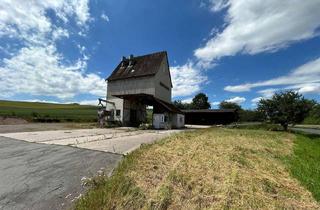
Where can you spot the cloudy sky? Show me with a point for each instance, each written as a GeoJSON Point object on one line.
{"type": "Point", "coordinates": [235, 50]}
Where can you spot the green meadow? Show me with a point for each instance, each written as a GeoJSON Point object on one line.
{"type": "Point", "coordinates": [48, 112]}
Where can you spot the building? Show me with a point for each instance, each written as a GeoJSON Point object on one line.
{"type": "Point", "coordinates": [211, 116]}
{"type": "Point", "coordinates": [138, 82]}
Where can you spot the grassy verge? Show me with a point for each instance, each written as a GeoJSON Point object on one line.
{"type": "Point", "coordinates": [259, 126]}
{"type": "Point", "coordinates": [206, 169]}
{"type": "Point", "coordinates": [304, 164]}
{"type": "Point", "coordinates": [48, 112]}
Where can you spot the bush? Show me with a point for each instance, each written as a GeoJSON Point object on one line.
{"type": "Point", "coordinates": [145, 126]}
{"type": "Point", "coordinates": [313, 117]}
{"type": "Point", "coordinates": [250, 116]}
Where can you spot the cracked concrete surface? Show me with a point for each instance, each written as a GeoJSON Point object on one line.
{"type": "Point", "coordinates": [43, 170]}
{"type": "Point", "coordinates": [41, 176]}
{"type": "Point", "coordinates": [118, 141]}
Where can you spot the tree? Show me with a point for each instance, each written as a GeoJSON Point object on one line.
{"type": "Point", "coordinates": [200, 101]}
{"type": "Point", "coordinates": [229, 105]}
{"type": "Point", "coordinates": [250, 116]}
{"type": "Point", "coordinates": [314, 115]}
{"type": "Point", "coordinates": [179, 104]}
{"type": "Point", "coordinates": [285, 108]}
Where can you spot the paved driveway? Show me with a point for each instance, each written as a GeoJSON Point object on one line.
{"type": "Point", "coordinates": [308, 130]}
{"type": "Point", "coordinates": [40, 176]}
{"type": "Point", "coordinates": [120, 140]}
{"type": "Point", "coordinates": [43, 170]}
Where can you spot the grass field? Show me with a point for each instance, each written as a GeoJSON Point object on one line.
{"type": "Point", "coordinates": [304, 164]}
{"type": "Point", "coordinates": [213, 169]}
{"type": "Point", "coordinates": [48, 112]}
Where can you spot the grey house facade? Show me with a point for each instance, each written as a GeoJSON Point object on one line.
{"type": "Point", "coordinates": [138, 82]}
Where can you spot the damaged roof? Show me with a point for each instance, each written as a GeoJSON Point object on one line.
{"type": "Point", "coordinates": [140, 66]}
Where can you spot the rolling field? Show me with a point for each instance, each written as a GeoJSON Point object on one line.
{"type": "Point", "coordinates": [48, 112]}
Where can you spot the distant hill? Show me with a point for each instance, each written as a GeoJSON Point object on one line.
{"type": "Point", "coordinates": [48, 112]}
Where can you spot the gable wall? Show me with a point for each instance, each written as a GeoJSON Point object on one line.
{"type": "Point", "coordinates": [131, 86]}
{"type": "Point", "coordinates": [163, 76]}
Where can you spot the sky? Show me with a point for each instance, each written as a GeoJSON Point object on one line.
{"type": "Point", "coordinates": [234, 50]}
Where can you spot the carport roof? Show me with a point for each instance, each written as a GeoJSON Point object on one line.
{"type": "Point", "coordinates": [151, 100]}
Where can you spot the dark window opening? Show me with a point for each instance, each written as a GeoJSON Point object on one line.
{"type": "Point", "coordinates": [118, 112]}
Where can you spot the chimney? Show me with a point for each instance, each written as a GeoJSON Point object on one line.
{"type": "Point", "coordinates": [123, 60]}
{"type": "Point", "coordinates": [131, 60]}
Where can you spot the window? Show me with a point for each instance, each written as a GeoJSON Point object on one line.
{"type": "Point", "coordinates": [165, 118]}
{"type": "Point", "coordinates": [118, 112]}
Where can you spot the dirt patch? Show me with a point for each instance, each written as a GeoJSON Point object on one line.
{"type": "Point", "coordinates": [12, 121]}
{"type": "Point", "coordinates": [28, 127]}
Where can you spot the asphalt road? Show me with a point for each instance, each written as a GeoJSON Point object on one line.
{"type": "Point", "coordinates": [40, 176]}
{"type": "Point", "coordinates": [307, 130]}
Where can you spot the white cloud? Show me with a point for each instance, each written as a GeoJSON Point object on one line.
{"type": "Point", "coordinates": [237, 100]}
{"type": "Point", "coordinates": [27, 20]}
{"type": "Point", "coordinates": [84, 102]}
{"type": "Point", "coordinates": [105, 17]}
{"type": "Point", "coordinates": [215, 103]}
{"type": "Point", "coordinates": [306, 88]}
{"type": "Point", "coordinates": [305, 79]}
{"type": "Point", "coordinates": [268, 93]}
{"type": "Point", "coordinates": [82, 11]}
{"type": "Point", "coordinates": [217, 5]}
{"type": "Point", "coordinates": [256, 100]}
{"type": "Point", "coordinates": [255, 26]}
{"type": "Point", "coordinates": [37, 68]}
{"type": "Point", "coordinates": [186, 79]}
{"type": "Point", "coordinates": [88, 102]}
{"type": "Point", "coordinates": [260, 26]}
{"type": "Point", "coordinates": [238, 88]}
{"type": "Point", "coordinates": [59, 33]}
{"type": "Point", "coordinates": [40, 101]}
{"type": "Point", "coordinates": [187, 100]}
{"type": "Point", "coordinates": [39, 71]}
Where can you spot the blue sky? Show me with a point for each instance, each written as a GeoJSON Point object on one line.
{"type": "Point", "coordinates": [236, 50]}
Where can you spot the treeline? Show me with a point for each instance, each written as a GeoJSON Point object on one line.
{"type": "Point", "coordinates": [288, 107]}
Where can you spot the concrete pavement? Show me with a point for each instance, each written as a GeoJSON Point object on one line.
{"type": "Point", "coordinates": [119, 141]}
{"type": "Point", "coordinates": [43, 170]}
{"type": "Point", "coordinates": [307, 130]}
{"type": "Point", "coordinates": [41, 176]}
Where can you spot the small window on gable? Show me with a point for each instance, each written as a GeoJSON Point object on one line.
{"type": "Point", "coordinates": [118, 112]}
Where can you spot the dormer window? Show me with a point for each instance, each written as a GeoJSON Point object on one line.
{"type": "Point", "coordinates": [122, 64]}
{"type": "Point", "coordinates": [130, 63]}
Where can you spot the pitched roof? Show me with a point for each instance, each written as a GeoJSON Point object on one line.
{"type": "Point", "coordinates": [146, 65]}
{"type": "Point", "coordinates": [168, 106]}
